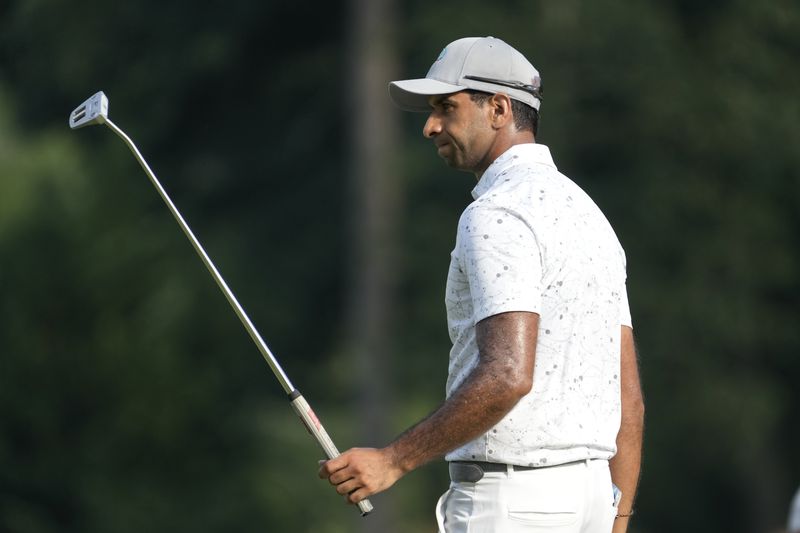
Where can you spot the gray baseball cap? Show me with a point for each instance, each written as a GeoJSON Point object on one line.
{"type": "Point", "coordinates": [480, 63]}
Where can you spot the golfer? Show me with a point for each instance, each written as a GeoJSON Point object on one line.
{"type": "Point", "coordinates": [544, 408]}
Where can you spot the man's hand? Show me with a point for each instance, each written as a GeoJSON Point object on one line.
{"type": "Point", "coordinates": [359, 473]}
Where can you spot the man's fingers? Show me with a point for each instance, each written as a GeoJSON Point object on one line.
{"type": "Point", "coordinates": [329, 467]}
{"type": "Point", "coordinates": [357, 495]}
{"type": "Point", "coordinates": [348, 486]}
{"type": "Point", "coordinates": [340, 476]}
{"type": "Point", "coordinates": [333, 465]}
{"type": "Point", "coordinates": [359, 473]}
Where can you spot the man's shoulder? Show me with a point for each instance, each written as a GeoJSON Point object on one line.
{"type": "Point", "coordinates": [491, 204]}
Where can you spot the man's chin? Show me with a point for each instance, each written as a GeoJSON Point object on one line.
{"type": "Point", "coordinates": [455, 164]}
{"type": "Point", "coordinates": [450, 160]}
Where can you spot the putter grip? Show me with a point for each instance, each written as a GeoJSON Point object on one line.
{"type": "Point", "coordinates": [313, 425]}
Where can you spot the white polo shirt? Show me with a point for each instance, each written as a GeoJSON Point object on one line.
{"type": "Point", "coordinates": [534, 241]}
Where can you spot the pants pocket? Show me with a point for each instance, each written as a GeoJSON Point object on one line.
{"type": "Point", "coordinates": [454, 508]}
{"type": "Point", "coordinates": [542, 518]}
{"type": "Point", "coordinates": [552, 503]}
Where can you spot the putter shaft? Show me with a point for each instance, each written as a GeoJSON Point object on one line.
{"type": "Point", "coordinates": [298, 402]}
{"type": "Point", "coordinates": [95, 111]}
{"type": "Point", "coordinates": [283, 379]}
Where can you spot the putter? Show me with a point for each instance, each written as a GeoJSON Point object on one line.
{"type": "Point", "coordinates": [95, 111]}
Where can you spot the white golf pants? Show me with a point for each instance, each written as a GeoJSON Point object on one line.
{"type": "Point", "coordinates": [573, 498]}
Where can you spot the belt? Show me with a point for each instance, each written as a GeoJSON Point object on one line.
{"type": "Point", "coordinates": [473, 471]}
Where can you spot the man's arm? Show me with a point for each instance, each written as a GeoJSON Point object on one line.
{"type": "Point", "coordinates": [625, 466]}
{"type": "Point", "coordinates": [503, 375]}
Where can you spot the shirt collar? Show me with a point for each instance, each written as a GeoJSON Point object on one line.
{"type": "Point", "coordinates": [532, 153]}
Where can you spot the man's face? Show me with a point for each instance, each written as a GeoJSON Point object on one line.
{"type": "Point", "coordinates": [462, 131]}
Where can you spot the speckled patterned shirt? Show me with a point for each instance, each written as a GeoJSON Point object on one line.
{"type": "Point", "coordinates": [534, 241]}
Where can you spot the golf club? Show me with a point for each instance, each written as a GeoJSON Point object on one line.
{"type": "Point", "coordinates": [95, 111]}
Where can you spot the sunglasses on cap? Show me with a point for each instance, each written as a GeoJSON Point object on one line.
{"type": "Point", "coordinates": [535, 90]}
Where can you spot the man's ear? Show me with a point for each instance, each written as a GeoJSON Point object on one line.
{"type": "Point", "coordinates": [501, 110]}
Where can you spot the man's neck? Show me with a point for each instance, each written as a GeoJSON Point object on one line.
{"type": "Point", "coordinates": [501, 147]}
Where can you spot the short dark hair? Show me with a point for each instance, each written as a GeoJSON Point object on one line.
{"type": "Point", "coordinates": [525, 116]}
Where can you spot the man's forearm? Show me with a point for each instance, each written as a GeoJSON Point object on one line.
{"type": "Point", "coordinates": [626, 464]}
{"type": "Point", "coordinates": [503, 375]}
{"type": "Point", "coordinates": [481, 401]}
{"type": "Point", "coordinates": [625, 470]}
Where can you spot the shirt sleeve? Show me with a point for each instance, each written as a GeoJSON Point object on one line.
{"type": "Point", "coordinates": [502, 260]}
{"type": "Point", "coordinates": [624, 309]}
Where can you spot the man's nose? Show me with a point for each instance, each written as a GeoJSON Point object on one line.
{"type": "Point", "coordinates": [433, 126]}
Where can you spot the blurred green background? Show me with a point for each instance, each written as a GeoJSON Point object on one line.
{"type": "Point", "coordinates": [131, 399]}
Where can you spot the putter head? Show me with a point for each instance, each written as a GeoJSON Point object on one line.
{"type": "Point", "coordinates": [92, 111]}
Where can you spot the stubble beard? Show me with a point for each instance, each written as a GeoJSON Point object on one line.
{"type": "Point", "coordinates": [455, 157]}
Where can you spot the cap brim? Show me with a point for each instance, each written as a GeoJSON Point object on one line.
{"type": "Point", "coordinates": [412, 95]}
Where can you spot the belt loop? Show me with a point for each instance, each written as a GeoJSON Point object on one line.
{"type": "Point", "coordinates": [510, 471]}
